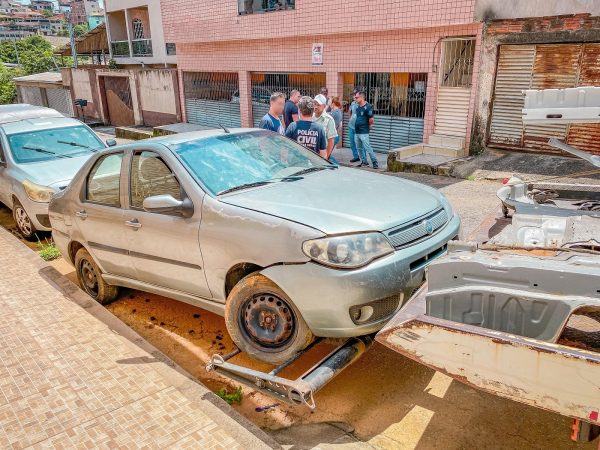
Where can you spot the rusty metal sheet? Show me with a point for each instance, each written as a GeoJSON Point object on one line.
{"type": "Point", "coordinates": [556, 66]}
{"type": "Point", "coordinates": [549, 376]}
{"type": "Point", "coordinates": [587, 136]}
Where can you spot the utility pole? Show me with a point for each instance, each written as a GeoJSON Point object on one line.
{"type": "Point", "coordinates": [72, 40]}
{"type": "Point", "coordinates": [16, 51]}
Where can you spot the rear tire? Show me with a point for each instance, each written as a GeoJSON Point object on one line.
{"type": "Point", "coordinates": [90, 278]}
{"type": "Point", "coordinates": [263, 322]}
{"type": "Point", "coordinates": [23, 221]}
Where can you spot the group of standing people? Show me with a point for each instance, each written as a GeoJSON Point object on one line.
{"type": "Point", "coordinates": [316, 123]}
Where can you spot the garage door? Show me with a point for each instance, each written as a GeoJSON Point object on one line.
{"type": "Point", "coordinates": [543, 66]}
{"type": "Point", "coordinates": [60, 100]}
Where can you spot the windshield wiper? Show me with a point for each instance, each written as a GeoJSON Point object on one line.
{"type": "Point", "coordinates": [74, 144]}
{"type": "Point", "coordinates": [259, 183]}
{"type": "Point", "coordinates": [43, 150]}
{"type": "Point", "coordinates": [314, 169]}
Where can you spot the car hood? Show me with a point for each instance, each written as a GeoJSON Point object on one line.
{"type": "Point", "coordinates": [57, 173]}
{"type": "Point", "coordinates": [342, 201]}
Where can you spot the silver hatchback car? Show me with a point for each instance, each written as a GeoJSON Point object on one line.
{"type": "Point", "coordinates": [41, 150]}
{"type": "Point", "coordinates": [252, 226]}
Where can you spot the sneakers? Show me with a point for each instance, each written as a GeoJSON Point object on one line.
{"type": "Point", "coordinates": [376, 166]}
{"type": "Point", "coordinates": [353, 160]}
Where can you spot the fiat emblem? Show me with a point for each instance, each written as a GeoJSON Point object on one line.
{"type": "Point", "coordinates": [428, 226]}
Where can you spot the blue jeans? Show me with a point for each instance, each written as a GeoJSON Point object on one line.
{"type": "Point", "coordinates": [352, 139]}
{"type": "Point", "coordinates": [364, 148]}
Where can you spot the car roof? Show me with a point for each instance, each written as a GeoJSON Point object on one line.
{"type": "Point", "coordinates": [38, 124]}
{"type": "Point", "coordinates": [180, 138]}
{"type": "Point", "coordinates": [22, 111]}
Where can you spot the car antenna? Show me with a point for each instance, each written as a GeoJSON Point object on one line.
{"type": "Point", "coordinates": [226, 130]}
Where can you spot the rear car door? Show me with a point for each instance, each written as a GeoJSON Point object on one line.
{"type": "Point", "coordinates": [99, 216]}
{"type": "Point", "coordinates": [165, 248]}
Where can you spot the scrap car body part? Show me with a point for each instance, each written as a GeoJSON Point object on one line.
{"type": "Point", "coordinates": [301, 390]}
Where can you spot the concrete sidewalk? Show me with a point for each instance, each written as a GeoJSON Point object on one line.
{"type": "Point", "coordinates": [74, 376]}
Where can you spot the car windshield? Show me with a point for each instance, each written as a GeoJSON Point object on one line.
{"type": "Point", "coordinates": [53, 143]}
{"type": "Point", "coordinates": [225, 162]}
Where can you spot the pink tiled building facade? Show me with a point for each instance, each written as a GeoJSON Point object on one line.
{"type": "Point", "coordinates": [416, 59]}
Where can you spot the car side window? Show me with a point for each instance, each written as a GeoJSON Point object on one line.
{"type": "Point", "coordinates": [151, 176]}
{"type": "Point", "coordinates": [104, 179]}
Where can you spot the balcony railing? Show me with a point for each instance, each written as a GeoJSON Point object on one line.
{"type": "Point", "coordinates": [141, 47]}
{"type": "Point", "coordinates": [120, 48]}
{"type": "Point", "coordinates": [262, 6]}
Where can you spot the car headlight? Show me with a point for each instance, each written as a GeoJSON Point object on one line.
{"type": "Point", "coordinates": [349, 251]}
{"type": "Point", "coordinates": [38, 193]}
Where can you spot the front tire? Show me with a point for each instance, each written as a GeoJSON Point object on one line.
{"type": "Point", "coordinates": [24, 224]}
{"type": "Point", "coordinates": [90, 278]}
{"type": "Point", "coordinates": [263, 321]}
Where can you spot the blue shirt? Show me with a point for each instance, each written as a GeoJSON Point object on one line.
{"type": "Point", "coordinates": [268, 122]}
{"type": "Point", "coordinates": [308, 134]}
{"type": "Point", "coordinates": [363, 114]}
{"type": "Point", "coordinates": [289, 110]}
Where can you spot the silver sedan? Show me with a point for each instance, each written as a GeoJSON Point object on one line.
{"type": "Point", "coordinates": [250, 225]}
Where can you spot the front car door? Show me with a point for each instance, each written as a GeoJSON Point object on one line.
{"type": "Point", "coordinates": [100, 218]}
{"type": "Point", "coordinates": [165, 248]}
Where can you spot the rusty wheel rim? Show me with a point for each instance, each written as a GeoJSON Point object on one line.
{"type": "Point", "coordinates": [268, 320]}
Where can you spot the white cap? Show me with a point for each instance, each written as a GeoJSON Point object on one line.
{"type": "Point", "coordinates": [321, 99]}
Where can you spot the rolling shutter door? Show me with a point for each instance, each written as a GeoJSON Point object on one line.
{"type": "Point", "coordinates": [31, 95]}
{"type": "Point", "coordinates": [60, 100]}
{"type": "Point", "coordinates": [390, 132]}
{"type": "Point", "coordinates": [452, 111]}
{"type": "Point", "coordinates": [555, 67]}
{"type": "Point", "coordinates": [586, 136]}
{"type": "Point", "coordinates": [515, 64]}
{"type": "Point", "coordinates": [212, 113]}
{"type": "Point", "coordinates": [258, 112]}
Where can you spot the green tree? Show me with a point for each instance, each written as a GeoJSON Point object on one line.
{"type": "Point", "coordinates": [35, 54]}
{"type": "Point", "coordinates": [47, 13]}
{"type": "Point", "coordinates": [8, 90]}
{"type": "Point", "coordinates": [80, 29]}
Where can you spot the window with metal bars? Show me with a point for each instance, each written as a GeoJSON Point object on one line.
{"type": "Point", "coordinates": [138, 29]}
{"type": "Point", "coordinates": [398, 101]}
{"type": "Point", "coordinates": [261, 6]}
{"type": "Point", "coordinates": [264, 84]}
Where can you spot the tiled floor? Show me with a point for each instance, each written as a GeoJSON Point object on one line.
{"type": "Point", "coordinates": [67, 380]}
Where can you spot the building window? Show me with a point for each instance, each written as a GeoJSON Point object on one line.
{"type": "Point", "coordinates": [260, 6]}
{"type": "Point", "coordinates": [138, 29]}
{"type": "Point", "coordinates": [171, 48]}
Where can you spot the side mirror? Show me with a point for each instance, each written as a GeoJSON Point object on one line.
{"type": "Point", "coordinates": [111, 142]}
{"type": "Point", "coordinates": [168, 204]}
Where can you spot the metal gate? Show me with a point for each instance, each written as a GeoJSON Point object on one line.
{"type": "Point", "coordinates": [398, 101]}
{"type": "Point", "coordinates": [264, 84]}
{"type": "Point", "coordinates": [543, 66]}
{"type": "Point", "coordinates": [212, 99]}
{"type": "Point", "coordinates": [118, 101]}
{"type": "Point", "coordinates": [454, 93]}
{"type": "Point", "coordinates": [60, 100]}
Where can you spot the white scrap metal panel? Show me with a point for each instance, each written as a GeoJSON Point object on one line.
{"type": "Point", "coordinates": [548, 106]}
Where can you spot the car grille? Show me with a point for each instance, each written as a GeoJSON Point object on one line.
{"type": "Point", "coordinates": [408, 234]}
{"type": "Point", "coordinates": [382, 308]}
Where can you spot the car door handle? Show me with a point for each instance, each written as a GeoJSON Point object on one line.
{"type": "Point", "coordinates": [82, 214]}
{"type": "Point", "coordinates": [133, 223]}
